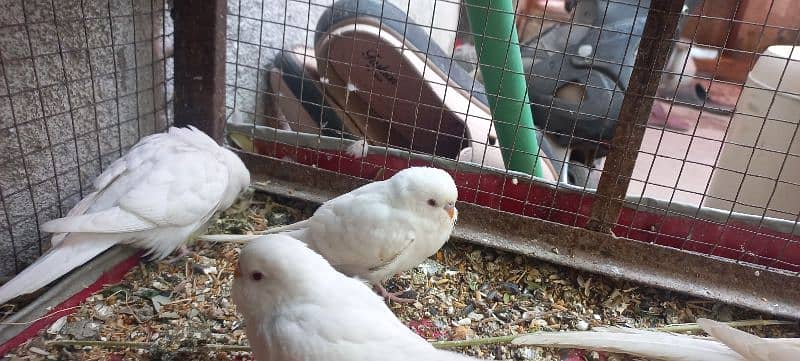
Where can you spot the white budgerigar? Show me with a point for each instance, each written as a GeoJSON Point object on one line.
{"type": "Point", "coordinates": [156, 197]}
{"type": "Point", "coordinates": [297, 307]}
{"type": "Point", "coordinates": [381, 228]}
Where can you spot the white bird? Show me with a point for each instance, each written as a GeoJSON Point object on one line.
{"type": "Point", "coordinates": [381, 228]}
{"type": "Point", "coordinates": [727, 344]}
{"type": "Point", "coordinates": [156, 197]}
{"type": "Point", "coordinates": [297, 307]}
{"type": "Point", "coordinates": [752, 347]}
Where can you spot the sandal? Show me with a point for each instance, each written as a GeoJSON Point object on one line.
{"type": "Point", "coordinates": [411, 87]}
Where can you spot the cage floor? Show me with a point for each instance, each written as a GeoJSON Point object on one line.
{"type": "Point", "coordinates": [464, 291]}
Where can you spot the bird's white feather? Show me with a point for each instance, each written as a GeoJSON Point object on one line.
{"type": "Point", "coordinates": [752, 347]}
{"type": "Point", "coordinates": [649, 344]}
{"type": "Point", "coordinates": [53, 264]}
{"type": "Point", "coordinates": [286, 228]}
{"type": "Point", "coordinates": [235, 238]}
{"type": "Point", "coordinates": [157, 196]}
{"type": "Point", "coordinates": [80, 208]}
{"type": "Point", "coordinates": [112, 220]}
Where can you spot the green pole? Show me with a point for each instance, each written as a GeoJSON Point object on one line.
{"type": "Point", "coordinates": [497, 44]}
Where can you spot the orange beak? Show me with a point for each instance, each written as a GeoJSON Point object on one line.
{"type": "Point", "coordinates": [236, 271]}
{"type": "Point", "coordinates": [451, 211]}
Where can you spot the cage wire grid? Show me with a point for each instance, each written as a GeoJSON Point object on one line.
{"type": "Point", "coordinates": [71, 104]}
{"type": "Point", "coordinates": [757, 239]}
{"type": "Point", "coordinates": [82, 82]}
{"type": "Point", "coordinates": [761, 214]}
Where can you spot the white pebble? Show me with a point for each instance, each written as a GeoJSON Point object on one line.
{"type": "Point", "coordinates": [540, 323]}
{"type": "Point", "coordinates": [582, 325]}
{"type": "Point", "coordinates": [526, 353]}
{"type": "Point", "coordinates": [39, 351]}
{"type": "Point", "coordinates": [474, 316]}
{"type": "Point", "coordinates": [56, 327]}
{"type": "Point", "coordinates": [464, 322]}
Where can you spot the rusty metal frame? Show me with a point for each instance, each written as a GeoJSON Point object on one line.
{"type": "Point", "coordinates": [200, 64]}
{"type": "Point", "coordinates": [654, 49]}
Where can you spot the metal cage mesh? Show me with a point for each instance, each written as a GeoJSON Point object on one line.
{"type": "Point", "coordinates": [715, 169]}
{"type": "Point", "coordinates": [710, 168]}
{"type": "Point", "coordinates": [82, 81]}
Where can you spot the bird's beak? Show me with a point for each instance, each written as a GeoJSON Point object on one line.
{"type": "Point", "coordinates": [451, 210]}
{"type": "Point", "coordinates": [236, 271]}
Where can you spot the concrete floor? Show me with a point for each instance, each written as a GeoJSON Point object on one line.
{"type": "Point", "coordinates": [677, 165]}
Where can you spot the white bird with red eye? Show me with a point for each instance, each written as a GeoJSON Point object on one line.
{"type": "Point", "coordinates": [297, 307]}
{"type": "Point", "coordinates": [382, 228]}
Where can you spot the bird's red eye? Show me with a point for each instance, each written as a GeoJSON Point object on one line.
{"type": "Point", "coordinates": [432, 202]}
{"type": "Point", "coordinates": [257, 276]}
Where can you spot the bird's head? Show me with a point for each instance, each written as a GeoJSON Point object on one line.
{"type": "Point", "coordinates": [274, 268]}
{"type": "Point", "coordinates": [430, 192]}
{"type": "Point", "coordinates": [238, 177]}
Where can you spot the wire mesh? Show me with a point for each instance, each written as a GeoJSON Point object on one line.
{"type": "Point", "coordinates": [715, 172]}
{"type": "Point", "coordinates": [82, 81]}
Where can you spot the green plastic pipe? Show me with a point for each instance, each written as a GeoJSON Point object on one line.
{"type": "Point", "coordinates": [497, 44]}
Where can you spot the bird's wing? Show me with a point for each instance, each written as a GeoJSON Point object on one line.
{"type": "Point", "coordinates": [80, 208]}
{"type": "Point", "coordinates": [352, 322]}
{"type": "Point", "coordinates": [141, 152]}
{"type": "Point", "coordinates": [359, 233]}
{"type": "Point", "coordinates": [286, 228]}
{"type": "Point", "coordinates": [180, 190]}
{"type": "Point", "coordinates": [367, 190]}
{"type": "Point", "coordinates": [750, 346]}
{"type": "Point", "coordinates": [113, 220]}
{"type": "Point", "coordinates": [177, 189]}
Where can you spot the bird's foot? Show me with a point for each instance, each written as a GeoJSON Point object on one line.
{"type": "Point", "coordinates": [393, 296]}
{"type": "Point", "coordinates": [183, 251]}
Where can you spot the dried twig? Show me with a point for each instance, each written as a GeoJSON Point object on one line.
{"type": "Point", "coordinates": [499, 340]}
{"type": "Point", "coordinates": [688, 327]}
{"type": "Point", "coordinates": [139, 345]}
{"type": "Point", "coordinates": [101, 344]}
{"type": "Point", "coordinates": [218, 347]}
{"type": "Point", "coordinates": [40, 318]}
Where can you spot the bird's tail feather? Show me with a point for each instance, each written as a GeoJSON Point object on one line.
{"type": "Point", "coordinates": [735, 339]}
{"type": "Point", "coordinates": [289, 227]}
{"type": "Point", "coordinates": [234, 238]}
{"type": "Point", "coordinates": [242, 238]}
{"type": "Point", "coordinates": [751, 346]}
{"type": "Point", "coordinates": [648, 344]}
{"type": "Point", "coordinates": [55, 263]}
